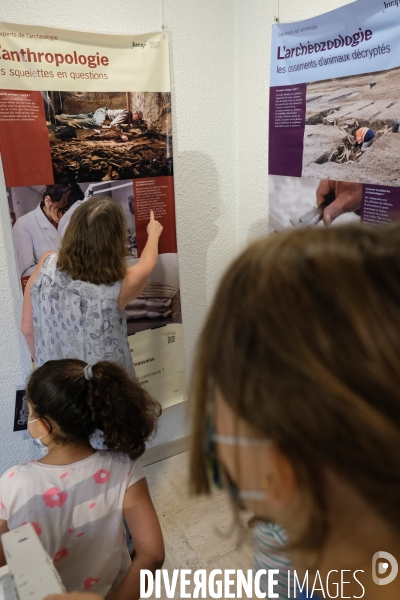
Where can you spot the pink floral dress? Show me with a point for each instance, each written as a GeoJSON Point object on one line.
{"type": "Point", "coordinates": [76, 511]}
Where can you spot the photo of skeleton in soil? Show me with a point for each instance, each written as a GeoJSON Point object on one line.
{"type": "Point", "coordinates": [98, 136]}
{"type": "Point", "coordinates": [352, 129]}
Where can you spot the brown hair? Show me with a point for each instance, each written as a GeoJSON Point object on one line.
{"type": "Point", "coordinates": [303, 341]}
{"type": "Point", "coordinates": [94, 246]}
{"type": "Point", "coordinates": [110, 401]}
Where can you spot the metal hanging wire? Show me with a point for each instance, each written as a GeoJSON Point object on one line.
{"type": "Point", "coordinates": [277, 16]}
{"type": "Point", "coordinates": [162, 16]}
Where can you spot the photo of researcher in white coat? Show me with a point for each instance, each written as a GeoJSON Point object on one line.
{"type": "Point", "coordinates": [38, 212]}
{"type": "Point", "coordinates": [119, 190]}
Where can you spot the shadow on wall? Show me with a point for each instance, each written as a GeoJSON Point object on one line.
{"type": "Point", "coordinates": [259, 229]}
{"type": "Point", "coordinates": [198, 203]}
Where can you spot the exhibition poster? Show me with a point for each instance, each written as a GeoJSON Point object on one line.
{"type": "Point", "coordinates": [334, 117]}
{"type": "Point", "coordinates": [83, 114]}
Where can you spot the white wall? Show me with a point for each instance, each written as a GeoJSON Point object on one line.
{"type": "Point", "coordinates": [203, 96]}
{"type": "Point", "coordinates": [220, 78]}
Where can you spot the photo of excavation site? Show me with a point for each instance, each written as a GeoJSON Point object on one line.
{"type": "Point", "coordinates": [336, 110]}
{"type": "Point", "coordinates": [97, 136]}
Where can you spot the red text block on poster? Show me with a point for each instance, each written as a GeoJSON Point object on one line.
{"type": "Point", "coordinates": [24, 140]}
{"type": "Point", "coordinates": [157, 194]}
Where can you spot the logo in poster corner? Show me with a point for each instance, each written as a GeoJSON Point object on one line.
{"type": "Point", "coordinates": [386, 560]}
{"type": "Point", "coordinates": [139, 44]}
{"type": "Point", "coordinates": [391, 4]}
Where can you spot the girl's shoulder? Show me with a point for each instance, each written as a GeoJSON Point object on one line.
{"type": "Point", "coordinates": [45, 268]}
{"type": "Point", "coordinates": [16, 471]}
{"type": "Point", "coordinates": [116, 459]}
{"type": "Point", "coordinates": [100, 465]}
{"type": "Point", "coordinates": [49, 261]}
{"type": "Point", "coordinates": [122, 465]}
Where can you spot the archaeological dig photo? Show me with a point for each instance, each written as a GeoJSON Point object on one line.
{"type": "Point", "coordinates": [352, 129]}
{"type": "Point", "coordinates": [103, 136]}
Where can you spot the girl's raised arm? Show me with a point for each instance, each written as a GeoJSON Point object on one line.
{"type": "Point", "coordinates": [137, 276]}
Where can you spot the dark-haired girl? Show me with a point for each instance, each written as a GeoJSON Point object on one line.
{"type": "Point", "coordinates": [36, 232]}
{"type": "Point", "coordinates": [75, 497]}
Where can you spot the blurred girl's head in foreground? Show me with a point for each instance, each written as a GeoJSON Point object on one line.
{"type": "Point", "coordinates": [297, 384]}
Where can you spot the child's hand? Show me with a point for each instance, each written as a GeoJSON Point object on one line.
{"type": "Point", "coordinates": [154, 227]}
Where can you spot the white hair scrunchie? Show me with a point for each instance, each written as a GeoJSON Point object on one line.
{"type": "Point", "coordinates": [88, 373]}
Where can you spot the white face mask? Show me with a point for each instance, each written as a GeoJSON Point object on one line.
{"type": "Point", "coordinates": [37, 441]}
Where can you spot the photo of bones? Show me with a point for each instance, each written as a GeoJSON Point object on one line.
{"type": "Point", "coordinates": [352, 128]}
{"type": "Point", "coordinates": [296, 202]}
{"type": "Point", "coordinates": [103, 136]}
{"type": "Point", "coordinates": [40, 213]}
{"type": "Point", "coordinates": [160, 302]}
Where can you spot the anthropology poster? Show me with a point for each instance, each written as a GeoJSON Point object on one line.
{"type": "Point", "coordinates": [84, 114]}
{"type": "Point", "coordinates": [334, 117]}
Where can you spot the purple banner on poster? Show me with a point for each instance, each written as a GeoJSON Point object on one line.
{"type": "Point", "coordinates": [381, 204]}
{"type": "Point", "coordinates": [287, 115]}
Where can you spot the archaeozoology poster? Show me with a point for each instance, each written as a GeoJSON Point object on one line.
{"type": "Point", "coordinates": [84, 114]}
{"type": "Point", "coordinates": [335, 117]}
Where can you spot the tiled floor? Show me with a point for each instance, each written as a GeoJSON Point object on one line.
{"type": "Point", "coordinates": [199, 533]}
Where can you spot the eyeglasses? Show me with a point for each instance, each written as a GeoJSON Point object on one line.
{"type": "Point", "coordinates": [219, 476]}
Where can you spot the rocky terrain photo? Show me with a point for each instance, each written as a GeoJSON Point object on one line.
{"type": "Point", "coordinates": [334, 108]}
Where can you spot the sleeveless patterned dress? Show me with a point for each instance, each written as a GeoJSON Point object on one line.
{"type": "Point", "coordinates": [76, 319]}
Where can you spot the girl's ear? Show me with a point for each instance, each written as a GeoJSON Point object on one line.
{"type": "Point", "coordinates": [44, 428]}
{"type": "Point", "coordinates": [281, 482]}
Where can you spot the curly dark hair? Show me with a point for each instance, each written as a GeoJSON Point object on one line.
{"type": "Point", "coordinates": [110, 401]}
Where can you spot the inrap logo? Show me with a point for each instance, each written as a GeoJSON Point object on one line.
{"type": "Point", "coordinates": [138, 44]}
{"type": "Point", "coordinates": [384, 568]}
